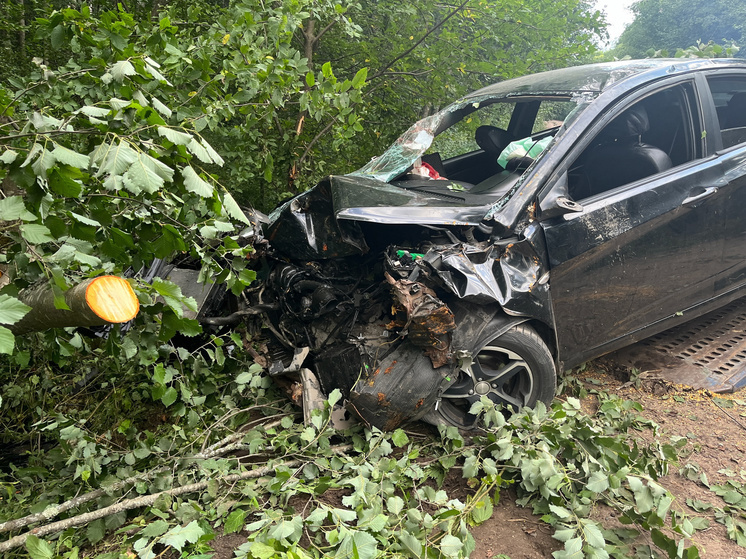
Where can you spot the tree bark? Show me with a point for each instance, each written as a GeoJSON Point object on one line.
{"type": "Point", "coordinates": [95, 302]}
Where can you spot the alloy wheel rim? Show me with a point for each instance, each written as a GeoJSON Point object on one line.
{"type": "Point", "coordinates": [496, 372]}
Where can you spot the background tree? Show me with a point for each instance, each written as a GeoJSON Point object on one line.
{"type": "Point", "coordinates": [672, 24]}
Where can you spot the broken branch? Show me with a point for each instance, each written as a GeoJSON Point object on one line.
{"type": "Point", "coordinates": [148, 500]}
{"type": "Point", "coordinates": [95, 302]}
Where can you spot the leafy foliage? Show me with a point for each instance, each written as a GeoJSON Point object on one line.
{"type": "Point", "coordinates": [309, 491]}
{"type": "Point", "coordinates": [668, 25]}
{"type": "Point", "coordinates": [733, 494]}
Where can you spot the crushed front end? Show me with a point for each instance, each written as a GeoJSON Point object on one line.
{"type": "Point", "coordinates": [387, 307]}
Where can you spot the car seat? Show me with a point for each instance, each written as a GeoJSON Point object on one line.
{"type": "Point", "coordinates": [492, 140]}
{"type": "Point", "coordinates": [620, 156]}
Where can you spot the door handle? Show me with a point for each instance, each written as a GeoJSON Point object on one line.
{"type": "Point", "coordinates": [704, 192]}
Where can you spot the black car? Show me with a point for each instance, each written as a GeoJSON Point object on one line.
{"type": "Point", "coordinates": [528, 227]}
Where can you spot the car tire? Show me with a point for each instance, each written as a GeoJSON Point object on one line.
{"type": "Point", "coordinates": [515, 369]}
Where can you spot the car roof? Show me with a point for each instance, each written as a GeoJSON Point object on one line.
{"type": "Point", "coordinates": [595, 78]}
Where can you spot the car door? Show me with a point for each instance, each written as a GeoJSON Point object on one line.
{"type": "Point", "coordinates": [641, 250]}
{"type": "Point", "coordinates": [728, 93]}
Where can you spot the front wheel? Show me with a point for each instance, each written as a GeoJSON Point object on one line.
{"type": "Point", "coordinates": [514, 369]}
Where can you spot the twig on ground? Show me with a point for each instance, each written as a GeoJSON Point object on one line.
{"type": "Point", "coordinates": [139, 502]}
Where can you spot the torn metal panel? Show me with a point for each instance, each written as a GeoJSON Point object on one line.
{"type": "Point", "coordinates": [426, 319]}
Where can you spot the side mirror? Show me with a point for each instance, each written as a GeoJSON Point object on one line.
{"type": "Point", "coordinates": [557, 201]}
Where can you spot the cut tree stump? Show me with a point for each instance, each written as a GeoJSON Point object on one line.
{"type": "Point", "coordinates": [94, 302]}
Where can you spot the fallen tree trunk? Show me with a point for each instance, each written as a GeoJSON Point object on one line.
{"type": "Point", "coordinates": [94, 302]}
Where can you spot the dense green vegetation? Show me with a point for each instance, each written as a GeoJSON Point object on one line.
{"type": "Point", "coordinates": [133, 132]}
{"type": "Point", "coordinates": [665, 26]}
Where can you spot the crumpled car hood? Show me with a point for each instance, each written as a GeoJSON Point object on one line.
{"type": "Point", "coordinates": [322, 222]}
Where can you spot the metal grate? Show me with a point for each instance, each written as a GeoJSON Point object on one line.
{"type": "Point", "coordinates": [708, 352]}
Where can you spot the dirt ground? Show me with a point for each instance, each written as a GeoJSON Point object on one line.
{"type": "Point", "coordinates": [717, 441]}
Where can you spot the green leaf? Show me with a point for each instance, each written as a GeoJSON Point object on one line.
{"type": "Point", "coordinates": [63, 185]}
{"type": "Point", "coordinates": [70, 157]}
{"type": "Point", "coordinates": [7, 341]}
{"type": "Point", "coordinates": [38, 548]}
{"type": "Point", "coordinates": [117, 159]}
{"type": "Point", "coordinates": [119, 104]}
{"type": "Point", "coordinates": [259, 550]}
{"type": "Point", "coordinates": [8, 156]}
{"type": "Point", "coordinates": [36, 234]}
{"type": "Point", "coordinates": [194, 183]}
{"type": "Point", "coordinates": [574, 546]}
{"type": "Point", "coordinates": [13, 208]}
{"type": "Point", "coordinates": [288, 530]}
{"type": "Point", "coordinates": [169, 397]}
{"type": "Point", "coordinates": [122, 69]}
{"type": "Point", "coordinates": [154, 529]}
{"type": "Point", "coordinates": [598, 482]}
{"type": "Point", "coordinates": [214, 155]}
{"type": "Point", "coordinates": [141, 176]}
{"type": "Point", "coordinates": [173, 296]}
{"type": "Point", "coordinates": [411, 543]}
{"type": "Point", "coordinates": [175, 136]}
{"type": "Point", "coordinates": [85, 220]}
{"type": "Point", "coordinates": [451, 546]}
{"type": "Point", "coordinates": [90, 110]}
{"type": "Point", "coordinates": [357, 545]}
{"type": "Point", "coordinates": [395, 505]}
{"type": "Point", "coordinates": [233, 209]}
{"type": "Point", "coordinates": [560, 512]}
{"type": "Point", "coordinates": [11, 309]}
{"type": "Point", "coordinates": [482, 511]}
{"type": "Point", "coordinates": [177, 536]}
{"type": "Point", "coordinates": [43, 163]}
{"type": "Point", "coordinates": [199, 150]}
{"type": "Point", "coordinates": [359, 79]}
{"type": "Point", "coordinates": [160, 107]}
{"type": "Point", "coordinates": [593, 535]}
{"type": "Point", "coordinates": [310, 79]}
{"type": "Point", "coordinates": [96, 530]}
{"type": "Point", "coordinates": [564, 533]}
{"type": "Point", "coordinates": [399, 438]}
{"type": "Point", "coordinates": [235, 521]}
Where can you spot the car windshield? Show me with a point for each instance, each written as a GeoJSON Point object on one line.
{"type": "Point", "coordinates": [480, 144]}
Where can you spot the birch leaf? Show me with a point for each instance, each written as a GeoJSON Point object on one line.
{"type": "Point", "coordinates": [140, 176]}
{"type": "Point", "coordinates": [175, 136]}
{"type": "Point", "coordinates": [199, 150]}
{"type": "Point", "coordinates": [70, 157]}
{"type": "Point", "coordinates": [194, 183]}
{"type": "Point", "coordinates": [122, 69]}
{"type": "Point", "coordinates": [233, 209]}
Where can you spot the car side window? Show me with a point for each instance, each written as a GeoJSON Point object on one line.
{"type": "Point", "coordinates": [729, 94]}
{"type": "Point", "coordinates": [656, 133]}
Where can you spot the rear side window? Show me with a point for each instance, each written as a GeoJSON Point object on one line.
{"type": "Point", "coordinates": [729, 94]}
{"type": "Point", "coordinates": [459, 138]}
{"type": "Point", "coordinates": [552, 113]}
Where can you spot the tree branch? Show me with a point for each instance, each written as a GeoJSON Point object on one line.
{"type": "Point", "coordinates": [147, 500]}
{"type": "Point", "coordinates": [218, 449]}
{"type": "Point", "coordinates": [315, 139]}
{"type": "Point", "coordinates": [419, 42]}
{"type": "Point", "coordinates": [324, 30]}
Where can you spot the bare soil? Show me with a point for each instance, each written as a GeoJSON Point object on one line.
{"type": "Point", "coordinates": [715, 426]}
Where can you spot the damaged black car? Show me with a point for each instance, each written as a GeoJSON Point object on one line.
{"type": "Point", "coordinates": [528, 227]}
